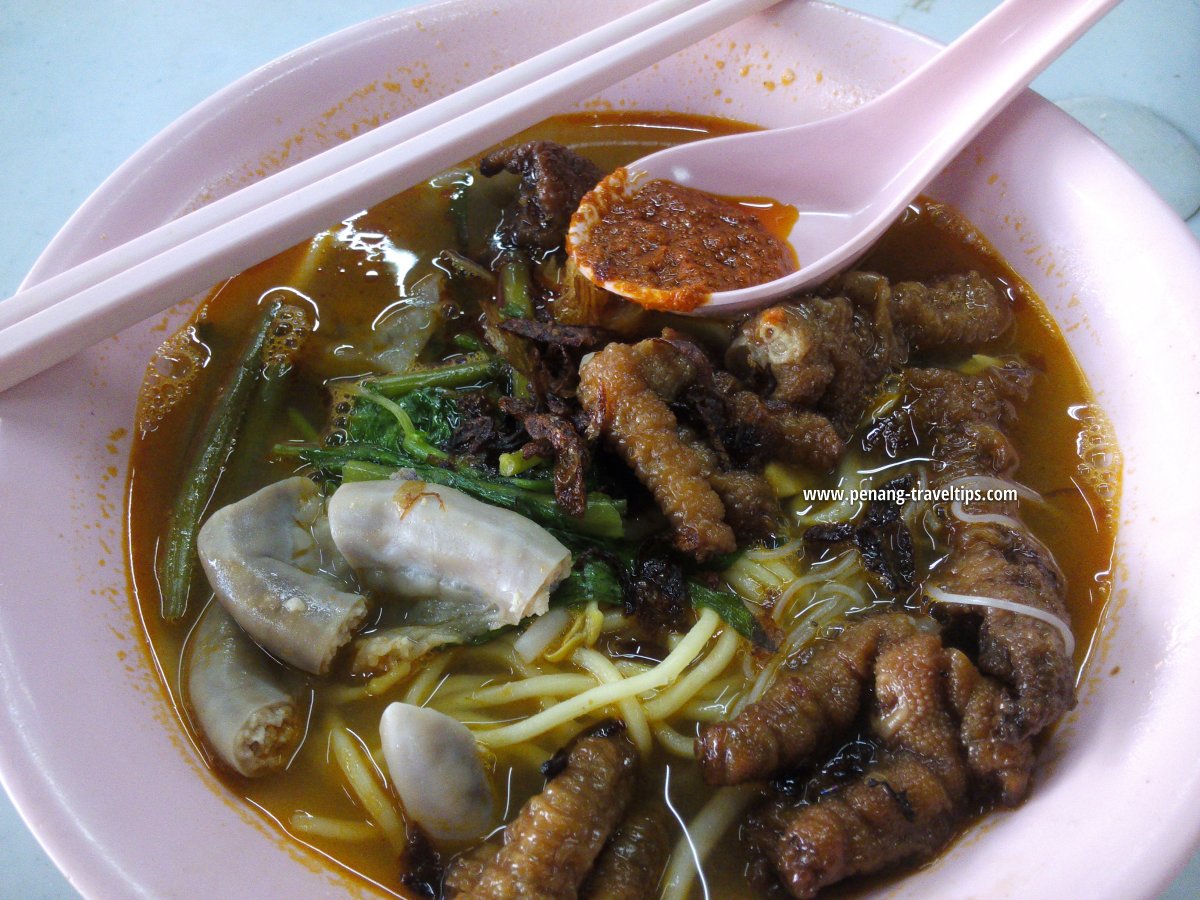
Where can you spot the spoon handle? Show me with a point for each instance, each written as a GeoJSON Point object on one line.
{"type": "Point", "coordinates": [947, 101]}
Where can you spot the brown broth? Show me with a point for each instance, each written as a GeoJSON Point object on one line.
{"type": "Point", "coordinates": [355, 284]}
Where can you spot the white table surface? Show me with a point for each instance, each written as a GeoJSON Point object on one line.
{"type": "Point", "coordinates": [84, 83]}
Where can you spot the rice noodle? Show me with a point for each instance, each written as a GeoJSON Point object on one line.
{"type": "Point", "coordinates": [991, 482]}
{"type": "Point", "coordinates": [957, 510]}
{"type": "Point", "coordinates": [818, 575]}
{"type": "Point", "coordinates": [754, 577]}
{"type": "Point", "coordinates": [943, 596]}
{"type": "Point", "coordinates": [761, 683]}
{"type": "Point", "coordinates": [762, 553]}
{"type": "Point", "coordinates": [701, 837]}
{"type": "Point", "coordinates": [829, 599]}
{"type": "Point", "coordinates": [606, 694]}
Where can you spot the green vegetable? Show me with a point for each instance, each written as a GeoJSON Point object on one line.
{"type": "Point", "coordinates": [459, 210]}
{"type": "Point", "coordinates": [419, 423]}
{"type": "Point", "coordinates": [729, 607]}
{"type": "Point", "coordinates": [457, 264]}
{"type": "Point", "coordinates": [594, 580]}
{"type": "Point", "coordinates": [302, 425]}
{"type": "Point", "coordinates": [515, 302]}
{"type": "Point", "coordinates": [468, 342]}
{"type": "Point", "coordinates": [516, 289]}
{"type": "Point", "coordinates": [472, 370]}
{"type": "Point", "coordinates": [455, 187]}
{"type": "Point", "coordinates": [517, 462]}
{"type": "Point", "coordinates": [357, 470]}
{"type": "Point", "coordinates": [177, 565]}
{"type": "Point", "coordinates": [478, 640]}
{"type": "Point", "coordinates": [253, 444]}
{"type": "Point", "coordinates": [402, 433]}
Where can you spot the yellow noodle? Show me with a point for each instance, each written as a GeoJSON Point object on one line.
{"type": "Point", "coordinates": [729, 684]}
{"type": "Point", "coordinates": [705, 671]}
{"type": "Point", "coordinates": [423, 685]}
{"type": "Point", "coordinates": [564, 685]}
{"type": "Point", "coordinates": [566, 643]}
{"type": "Point", "coordinates": [705, 712]}
{"type": "Point", "coordinates": [631, 709]}
{"type": "Point", "coordinates": [465, 684]}
{"type": "Point", "coordinates": [522, 668]}
{"type": "Point", "coordinates": [501, 653]}
{"type": "Point", "coordinates": [606, 694]}
{"type": "Point", "coordinates": [631, 667]}
{"type": "Point", "coordinates": [528, 755]}
{"type": "Point", "coordinates": [557, 737]}
{"type": "Point", "coordinates": [336, 829]}
{"type": "Point", "coordinates": [700, 838]}
{"type": "Point", "coordinates": [674, 742]}
{"type": "Point", "coordinates": [374, 687]}
{"type": "Point", "coordinates": [595, 622]}
{"type": "Point", "coordinates": [742, 585]}
{"type": "Point", "coordinates": [357, 766]}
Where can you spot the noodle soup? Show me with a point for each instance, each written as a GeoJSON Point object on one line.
{"type": "Point", "coordinates": [650, 630]}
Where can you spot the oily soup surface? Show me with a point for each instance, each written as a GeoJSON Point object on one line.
{"type": "Point", "coordinates": [368, 271]}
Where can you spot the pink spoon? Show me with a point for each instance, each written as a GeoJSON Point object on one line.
{"type": "Point", "coordinates": [850, 175]}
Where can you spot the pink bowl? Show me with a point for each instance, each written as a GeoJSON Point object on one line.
{"type": "Point", "coordinates": [90, 749]}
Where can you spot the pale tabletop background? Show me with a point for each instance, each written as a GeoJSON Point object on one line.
{"type": "Point", "coordinates": [86, 82]}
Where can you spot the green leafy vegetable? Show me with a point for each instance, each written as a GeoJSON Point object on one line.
{"type": "Point", "coordinates": [475, 369]}
{"type": "Point", "coordinates": [729, 607]}
{"type": "Point", "coordinates": [593, 580]}
{"type": "Point", "coordinates": [430, 417]}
